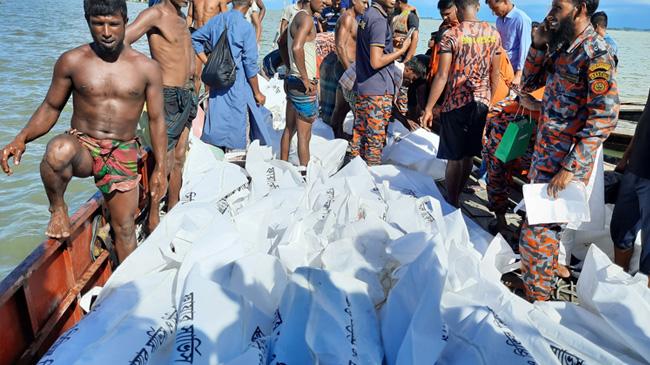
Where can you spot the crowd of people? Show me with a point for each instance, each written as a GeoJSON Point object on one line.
{"type": "Point", "coordinates": [338, 57]}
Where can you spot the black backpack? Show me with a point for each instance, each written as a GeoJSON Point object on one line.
{"type": "Point", "coordinates": [220, 71]}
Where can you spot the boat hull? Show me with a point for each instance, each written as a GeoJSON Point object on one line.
{"type": "Point", "coordinates": [40, 299]}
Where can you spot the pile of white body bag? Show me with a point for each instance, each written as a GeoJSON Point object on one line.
{"type": "Point", "coordinates": [352, 265]}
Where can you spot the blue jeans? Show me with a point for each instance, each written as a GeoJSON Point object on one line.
{"type": "Point", "coordinates": [631, 215]}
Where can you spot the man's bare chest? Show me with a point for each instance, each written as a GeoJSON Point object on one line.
{"type": "Point", "coordinates": [110, 82]}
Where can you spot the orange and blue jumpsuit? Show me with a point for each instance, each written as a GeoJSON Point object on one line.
{"type": "Point", "coordinates": [579, 110]}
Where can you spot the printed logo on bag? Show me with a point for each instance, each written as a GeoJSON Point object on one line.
{"type": "Point", "coordinates": [270, 179]}
{"type": "Point", "coordinates": [257, 334]}
{"type": "Point", "coordinates": [565, 357]}
{"type": "Point", "coordinates": [277, 320]}
{"type": "Point", "coordinates": [190, 196]}
{"type": "Point", "coordinates": [187, 343]}
{"type": "Point", "coordinates": [156, 338]}
{"type": "Point", "coordinates": [424, 212]}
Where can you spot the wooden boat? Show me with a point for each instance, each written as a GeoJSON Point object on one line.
{"type": "Point", "coordinates": [39, 300]}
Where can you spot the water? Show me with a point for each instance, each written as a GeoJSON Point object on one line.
{"type": "Point", "coordinates": [34, 33]}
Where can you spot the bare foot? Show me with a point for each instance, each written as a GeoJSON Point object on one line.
{"type": "Point", "coordinates": [59, 226]}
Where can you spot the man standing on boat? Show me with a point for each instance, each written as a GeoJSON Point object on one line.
{"type": "Point", "coordinates": [231, 111]}
{"type": "Point", "coordinates": [374, 85]}
{"type": "Point", "coordinates": [298, 47]}
{"type": "Point", "coordinates": [579, 110]}
{"type": "Point", "coordinates": [345, 38]}
{"type": "Point", "coordinates": [468, 73]}
{"type": "Point", "coordinates": [171, 47]}
{"type": "Point", "coordinates": [109, 82]}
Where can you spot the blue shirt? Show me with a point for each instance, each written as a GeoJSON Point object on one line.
{"type": "Point", "coordinates": [515, 30]}
{"type": "Point", "coordinates": [331, 16]}
{"type": "Point", "coordinates": [374, 30]}
{"type": "Point", "coordinates": [225, 123]}
{"type": "Point", "coordinates": [612, 44]}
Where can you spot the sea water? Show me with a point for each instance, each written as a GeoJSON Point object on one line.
{"type": "Point", "coordinates": [33, 33]}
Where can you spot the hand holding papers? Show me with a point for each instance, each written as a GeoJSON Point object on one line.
{"type": "Point", "coordinates": [571, 205]}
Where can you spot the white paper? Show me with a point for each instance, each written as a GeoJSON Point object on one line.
{"type": "Point", "coordinates": [570, 206]}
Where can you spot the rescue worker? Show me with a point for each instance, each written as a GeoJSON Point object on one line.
{"type": "Point", "coordinates": [579, 110]}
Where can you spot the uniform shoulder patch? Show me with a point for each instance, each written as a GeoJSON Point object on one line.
{"type": "Point", "coordinates": [600, 66]}
{"type": "Point", "coordinates": [600, 86]}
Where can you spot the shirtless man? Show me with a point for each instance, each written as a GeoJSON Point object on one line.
{"type": "Point", "coordinates": [199, 13]}
{"type": "Point", "coordinates": [171, 46]}
{"type": "Point", "coordinates": [345, 37]}
{"type": "Point", "coordinates": [109, 82]}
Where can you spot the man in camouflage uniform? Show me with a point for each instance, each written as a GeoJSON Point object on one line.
{"type": "Point", "coordinates": [578, 112]}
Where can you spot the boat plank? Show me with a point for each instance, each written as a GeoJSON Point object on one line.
{"type": "Point", "coordinates": [68, 309]}
{"type": "Point", "coordinates": [46, 287]}
{"type": "Point", "coordinates": [14, 319]}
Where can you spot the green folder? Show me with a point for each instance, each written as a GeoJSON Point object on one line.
{"type": "Point", "coordinates": [515, 140]}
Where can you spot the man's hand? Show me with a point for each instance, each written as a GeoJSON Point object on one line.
{"type": "Point", "coordinates": [530, 103]}
{"type": "Point", "coordinates": [15, 149]}
{"type": "Point", "coordinates": [542, 36]}
{"type": "Point", "coordinates": [516, 81]}
{"type": "Point", "coordinates": [411, 125]}
{"type": "Point", "coordinates": [310, 86]}
{"type": "Point", "coordinates": [559, 183]}
{"type": "Point", "coordinates": [260, 99]}
{"type": "Point", "coordinates": [427, 119]}
{"type": "Point", "coordinates": [158, 185]}
{"type": "Point", "coordinates": [405, 45]}
{"type": "Point", "coordinates": [621, 166]}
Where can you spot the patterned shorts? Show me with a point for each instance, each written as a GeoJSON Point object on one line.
{"type": "Point", "coordinates": [115, 163]}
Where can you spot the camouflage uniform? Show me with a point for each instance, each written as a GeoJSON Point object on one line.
{"type": "Point", "coordinates": [579, 110]}
{"type": "Point", "coordinates": [499, 173]}
{"type": "Point", "coordinates": [372, 114]}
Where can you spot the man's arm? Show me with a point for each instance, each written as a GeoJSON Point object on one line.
{"type": "Point", "coordinates": [283, 25]}
{"type": "Point", "coordinates": [495, 74]}
{"type": "Point", "coordinates": [519, 57]}
{"type": "Point", "coordinates": [190, 14]}
{"type": "Point", "coordinates": [283, 47]}
{"type": "Point", "coordinates": [413, 22]}
{"type": "Point", "coordinates": [257, 24]}
{"type": "Point", "coordinates": [379, 59]}
{"type": "Point", "coordinates": [141, 25]}
{"type": "Point", "coordinates": [199, 39]}
{"type": "Point", "coordinates": [260, 4]}
{"type": "Point", "coordinates": [46, 115]}
{"type": "Point", "coordinates": [305, 25]}
{"type": "Point", "coordinates": [342, 37]}
{"type": "Point", "coordinates": [603, 105]}
{"type": "Point", "coordinates": [251, 69]}
{"type": "Point", "coordinates": [157, 129]}
{"type": "Point", "coordinates": [437, 87]}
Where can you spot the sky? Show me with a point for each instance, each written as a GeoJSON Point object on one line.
{"type": "Point", "coordinates": [621, 13]}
